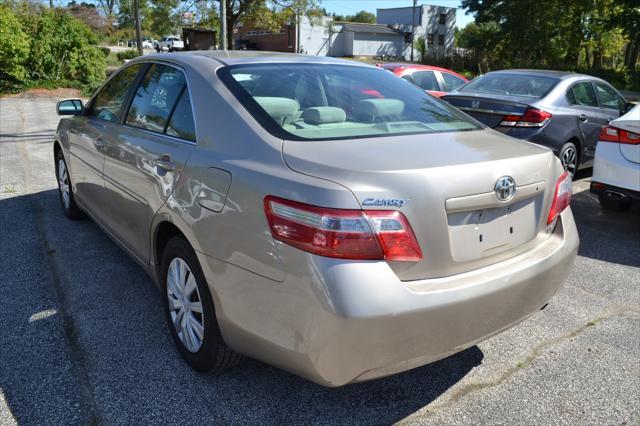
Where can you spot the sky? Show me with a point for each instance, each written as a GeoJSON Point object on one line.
{"type": "Point", "coordinates": [349, 7]}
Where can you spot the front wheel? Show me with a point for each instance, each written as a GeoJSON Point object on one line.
{"type": "Point", "coordinates": [569, 158]}
{"type": "Point", "coordinates": [69, 206]}
{"type": "Point", "coordinates": [190, 312]}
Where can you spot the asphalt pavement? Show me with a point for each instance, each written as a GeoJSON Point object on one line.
{"type": "Point", "coordinates": [83, 338]}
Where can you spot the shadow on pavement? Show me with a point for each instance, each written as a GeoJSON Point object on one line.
{"type": "Point", "coordinates": [606, 235]}
{"type": "Point", "coordinates": [83, 340]}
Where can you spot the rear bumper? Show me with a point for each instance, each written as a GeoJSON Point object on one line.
{"type": "Point", "coordinates": [613, 170]}
{"type": "Point", "coordinates": [336, 322]}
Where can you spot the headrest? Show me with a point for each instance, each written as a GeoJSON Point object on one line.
{"type": "Point", "coordinates": [323, 115]}
{"type": "Point", "coordinates": [280, 109]}
{"type": "Point", "coordinates": [373, 109]}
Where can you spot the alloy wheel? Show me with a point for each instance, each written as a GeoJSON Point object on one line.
{"type": "Point", "coordinates": [569, 160]}
{"type": "Point", "coordinates": [63, 183]}
{"type": "Point", "coordinates": [185, 305]}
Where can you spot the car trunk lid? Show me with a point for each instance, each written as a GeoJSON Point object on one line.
{"type": "Point", "coordinates": [489, 110]}
{"type": "Point", "coordinates": [447, 181]}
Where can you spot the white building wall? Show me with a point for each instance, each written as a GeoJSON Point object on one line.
{"type": "Point", "coordinates": [377, 45]}
{"type": "Point", "coordinates": [314, 36]}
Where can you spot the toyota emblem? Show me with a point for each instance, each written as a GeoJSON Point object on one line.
{"type": "Point", "coordinates": [505, 188]}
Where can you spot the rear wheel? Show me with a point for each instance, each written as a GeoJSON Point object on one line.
{"type": "Point", "coordinates": [190, 312]}
{"type": "Point", "coordinates": [569, 158]}
{"type": "Point", "coordinates": [609, 203]}
{"type": "Point", "coordinates": [69, 206]}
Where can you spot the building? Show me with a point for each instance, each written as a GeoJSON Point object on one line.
{"type": "Point", "coordinates": [435, 23]}
{"type": "Point", "coordinates": [390, 37]}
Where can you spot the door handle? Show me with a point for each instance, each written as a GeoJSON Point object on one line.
{"type": "Point", "coordinates": [165, 164]}
{"type": "Point", "coordinates": [582, 117]}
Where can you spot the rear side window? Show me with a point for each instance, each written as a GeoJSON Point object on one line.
{"type": "Point", "coordinates": [155, 98]}
{"type": "Point", "coordinates": [584, 95]}
{"type": "Point", "coordinates": [107, 103]}
{"type": "Point", "coordinates": [451, 82]}
{"type": "Point", "coordinates": [181, 124]}
{"type": "Point", "coordinates": [532, 86]}
{"type": "Point", "coordinates": [425, 80]}
{"type": "Point", "coordinates": [608, 97]}
{"type": "Point", "coordinates": [328, 102]}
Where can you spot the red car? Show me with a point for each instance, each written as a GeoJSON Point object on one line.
{"type": "Point", "coordinates": [435, 80]}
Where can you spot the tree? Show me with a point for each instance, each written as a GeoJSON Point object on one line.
{"type": "Point", "coordinates": [364, 17]}
{"type": "Point", "coordinates": [163, 20]}
{"type": "Point", "coordinates": [14, 47]}
{"type": "Point", "coordinates": [108, 8]}
{"type": "Point", "coordinates": [482, 40]}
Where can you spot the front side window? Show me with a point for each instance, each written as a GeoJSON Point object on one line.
{"type": "Point", "coordinates": [451, 82]}
{"type": "Point", "coordinates": [608, 97]}
{"type": "Point", "coordinates": [107, 103]}
{"type": "Point", "coordinates": [425, 80]}
{"type": "Point", "coordinates": [321, 102]}
{"type": "Point", "coordinates": [532, 86]}
{"type": "Point", "coordinates": [584, 95]}
{"type": "Point", "coordinates": [155, 98]}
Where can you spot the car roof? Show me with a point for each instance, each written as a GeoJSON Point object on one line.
{"type": "Point", "coordinates": [410, 66]}
{"type": "Point", "coordinates": [233, 57]}
{"type": "Point", "coordinates": [544, 73]}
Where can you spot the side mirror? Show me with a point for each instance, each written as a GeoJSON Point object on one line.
{"type": "Point", "coordinates": [69, 107]}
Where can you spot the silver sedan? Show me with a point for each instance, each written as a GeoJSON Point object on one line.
{"type": "Point", "coordinates": [320, 215]}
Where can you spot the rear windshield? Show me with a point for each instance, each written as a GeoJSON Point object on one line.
{"type": "Point", "coordinates": [532, 86]}
{"type": "Point", "coordinates": [321, 102]}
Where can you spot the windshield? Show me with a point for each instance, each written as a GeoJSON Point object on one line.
{"type": "Point", "coordinates": [512, 84]}
{"type": "Point", "coordinates": [320, 102]}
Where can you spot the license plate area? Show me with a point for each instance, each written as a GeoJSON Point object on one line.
{"type": "Point", "coordinates": [486, 232]}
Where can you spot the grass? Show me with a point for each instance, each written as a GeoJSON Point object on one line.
{"type": "Point", "coordinates": [112, 60]}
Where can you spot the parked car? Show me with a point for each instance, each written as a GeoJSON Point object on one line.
{"type": "Point", "coordinates": [290, 216]}
{"type": "Point", "coordinates": [562, 110]}
{"type": "Point", "coordinates": [434, 80]}
{"type": "Point", "coordinates": [616, 173]}
{"type": "Point", "coordinates": [170, 43]}
{"type": "Point", "coordinates": [148, 43]}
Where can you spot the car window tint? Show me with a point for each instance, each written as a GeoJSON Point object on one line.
{"type": "Point", "coordinates": [425, 80]}
{"type": "Point", "coordinates": [584, 95]}
{"type": "Point", "coordinates": [608, 97]}
{"type": "Point", "coordinates": [181, 124]}
{"type": "Point", "coordinates": [154, 100]}
{"type": "Point", "coordinates": [323, 102]}
{"type": "Point", "coordinates": [451, 82]}
{"type": "Point", "coordinates": [107, 103]}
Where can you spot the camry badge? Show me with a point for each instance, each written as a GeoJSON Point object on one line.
{"type": "Point", "coordinates": [390, 202]}
{"type": "Point", "coordinates": [505, 188]}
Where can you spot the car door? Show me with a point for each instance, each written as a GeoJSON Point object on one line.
{"type": "Point", "coordinates": [144, 162]}
{"type": "Point", "coordinates": [583, 100]}
{"type": "Point", "coordinates": [87, 139]}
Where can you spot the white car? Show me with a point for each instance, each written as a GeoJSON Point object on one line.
{"type": "Point", "coordinates": [616, 172]}
{"type": "Point", "coordinates": [148, 44]}
{"type": "Point", "coordinates": [170, 43]}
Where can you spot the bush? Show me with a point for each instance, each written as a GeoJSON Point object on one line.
{"type": "Point", "coordinates": [127, 54]}
{"type": "Point", "coordinates": [14, 48]}
{"type": "Point", "coordinates": [105, 50]}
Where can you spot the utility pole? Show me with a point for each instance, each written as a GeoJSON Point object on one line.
{"type": "Point", "coordinates": [223, 24]}
{"type": "Point", "coordinates": [136, 11]}
{"type": "Point", "coordinates": [413, 25]}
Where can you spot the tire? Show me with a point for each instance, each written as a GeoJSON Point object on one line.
{"type": "Point", "coordinates": [569, 157]}
{"type": "Point", "coordinates": [208, 353]}
{"type": "Point", "coordinates": [170, 49]}
{"type": "Point", "coordinates": [65, 189]}
{"type": "Point", "coordinates": [609, 203]}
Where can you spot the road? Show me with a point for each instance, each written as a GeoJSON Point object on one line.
{"type": "Point", "coordinates": [83, 338]}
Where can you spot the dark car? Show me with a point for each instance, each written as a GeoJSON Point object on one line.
{"type": "Point", "coordinates": [561, 110]}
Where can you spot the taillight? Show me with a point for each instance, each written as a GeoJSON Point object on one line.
{"type": "Point", "coordinates": [561, 198]}
{"type": "Point", "coordinates": [343, 234]}
{"type": "Point", "coordinates": [612, 134]}
{"type": "Point", "coordinates": [532, 117]}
